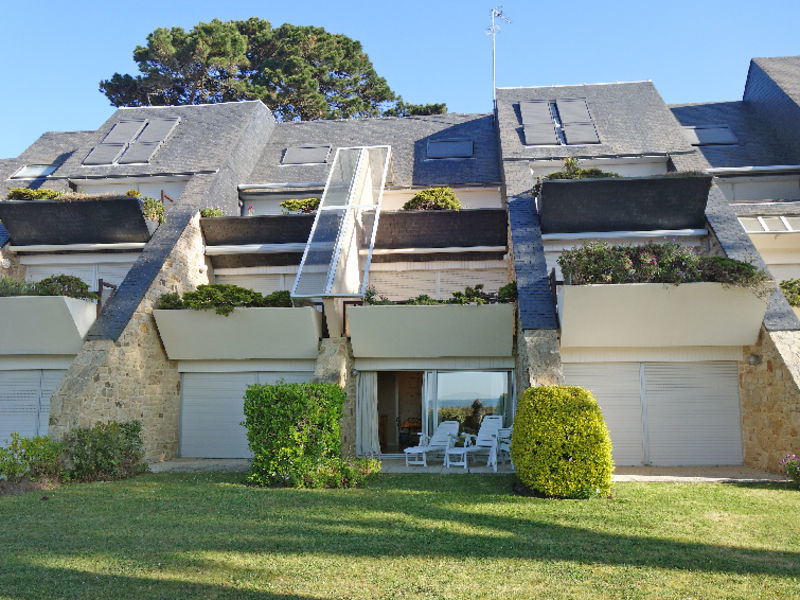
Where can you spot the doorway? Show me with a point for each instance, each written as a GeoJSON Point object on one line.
{"type": "Point", "coordinates": [399, 410]}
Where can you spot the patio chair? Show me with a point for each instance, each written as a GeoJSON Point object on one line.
{"type": "Point", "coordinates": [504, 445]}
{"type": "Point", "coordinates": [443, 438]}
{"type": "Point", "coordinates": [485, 441]}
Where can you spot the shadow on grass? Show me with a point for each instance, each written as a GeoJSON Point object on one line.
{"type": "Point", "coordinates": [399, 516]}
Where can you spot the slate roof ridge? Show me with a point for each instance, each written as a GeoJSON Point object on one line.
{"type": "Point", "coordinates": [563, 85]}
{"type": "Point", "coordinates": [711, 103]}
{"type": "Point", "coordinates": [191, 105]}
{"type": "Point", "coordinates": [390, 118]}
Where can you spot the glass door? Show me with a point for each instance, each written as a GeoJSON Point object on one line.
{"type": "Point", "coordinates": [466, 397]}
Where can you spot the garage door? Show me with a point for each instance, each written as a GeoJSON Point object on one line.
{"type": "Point", "coordinates": [25, 401]}
{"type": "Point", "coordinates": [212, 410]}
{"type": "Point", "coordinates": [667, 413]}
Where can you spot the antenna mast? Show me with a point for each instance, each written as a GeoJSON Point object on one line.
{"type": "Point", "coordinates": [492, 30]}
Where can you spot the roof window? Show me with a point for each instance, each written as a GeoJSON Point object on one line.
{"type": "Point", "coordinates": [34, 171]}
{"type": "Point", "coordinates": [710, 135]}
{"type": "Point", "coordinates": [454, 148]}
{"type": "Point", "coordinates": [565, 121]}
{"type": "Point", "coordinates": [131, 141]}
{"type": "Point", "coordinates": [311, 154]}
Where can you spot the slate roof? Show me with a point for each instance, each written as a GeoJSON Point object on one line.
{"type": "Point", "coordinates": [408, 137]}
{"type": "Point", "coordinates": [757, 143]}
{"type": "Point", "coordinates": [631, 119]}
{"type": "Point", "coordinates": [785, 71]}
{"type": "Point", "coordinates": [3, 235]}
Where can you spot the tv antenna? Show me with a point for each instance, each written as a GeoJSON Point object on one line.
{"type": "Point", "coordinates": [492, 30]}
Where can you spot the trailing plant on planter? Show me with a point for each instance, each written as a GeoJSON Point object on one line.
{"type": "Point", "coordinates": [21, 193]}
{"type": "Point", "coordinates": [153, 210]}
{"type": "Point", "coordinates": [791, 289]}
{"type": "Point", "coordinates": [133, 193]}
{"type": "Point", "coordinates": [223, 298]}
{"type": "Point", "coordinates": [435, 198]}
{"type": "Point", "coordinates": [212, 211]}
{"type": "Point", "coordinates": [571, 170]}
{"type": "Point", "coordinates": [300, 205]}
{"type": "Point", "coordinates": [57, 285]}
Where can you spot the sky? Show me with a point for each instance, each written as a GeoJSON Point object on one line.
{"type": "Point", "coordinates": [56, 52]}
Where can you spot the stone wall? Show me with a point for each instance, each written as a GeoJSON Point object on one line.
{"type": "Point", "coordinates": [14, 270]}
{"type": "Point", "coordinates": [769, 382]}
{"type": "Point", "coordinates": [335, 364]}
{"type": "Point", "coordinates": [538, 359]}
{"type": "Point", "coordinates": [132, 378]}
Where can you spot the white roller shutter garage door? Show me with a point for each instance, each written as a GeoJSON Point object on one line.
{"type": "Point", "coordinates": [25, 401]}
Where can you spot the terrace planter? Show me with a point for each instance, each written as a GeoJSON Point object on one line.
{"type": "Point", "coordinates": [244, 334]}
{"type": "Point", "coordinates": [44, 324]}
{"type": "Point", "coordinates": [658, 315]}
{"type": "Point", "coordinates": [446, 330]}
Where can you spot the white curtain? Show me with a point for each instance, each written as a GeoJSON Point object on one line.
{"type": "Point", "coordinates": [367, 414]}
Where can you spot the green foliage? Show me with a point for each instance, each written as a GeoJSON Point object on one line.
{"type": "Point", "coordinates": [300, 72]}
{"type": "Point", "coordinates": [406, 109]}
{"type": "Point", "coordinates": [20, 193]}
{"type": "Point", "coordinates": [153, 210]}
{"type": "Point", "coordinates": [573, 171]}
{"type": "Point", "coordinates": [561, 447]}
{"type": "Point", "coordinates": [371, 297]}
{"type": "Point", "coordinates": [212, 211]}
{"type": "Point", "coordinates": [300, 205]}
{"type": "Point", "coordinates": [600, 262]}
{"type": "Point", "coordinates": [791, 466]}
{"type": "Point", "coordinates": [508, 292]}
{"type": "Point", "coordinates": [791, 289]}
{"type": "Point", "coordinates": [223, 298]}
{"type": "Point", "coordinates": [435, 198]}
{"type": "Point", "coordinates": [37, 458]}
{"type": "Point", "coordinates": [106, 451]}
{"type": "Point", "coordinates": [133, 193]}
{"type": "Point", "coordinates": [57, 285]}
{"type": "Point", "coordinates": [293, 432]}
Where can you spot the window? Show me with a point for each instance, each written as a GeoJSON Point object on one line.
{"type": "Point", "coordinates": [709, 135]}
{"type": "Point", "coordinates": [455, 148]}
{"type": "Point", "coordinates": [34, 171]}
{"type": "Point", "coordinates": [565, 121]}
{"type": "Point", "coordinates": [131, 141]}
{"type": "Point", "coordinates": [306, 155]}
{"type": "Point", "coordinates": [468, 396]}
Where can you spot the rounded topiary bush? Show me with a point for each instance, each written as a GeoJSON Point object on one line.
{"type": "Point", "coordinates": [435, 198]}
{"type": "Point", "coordinates": [561, 447]}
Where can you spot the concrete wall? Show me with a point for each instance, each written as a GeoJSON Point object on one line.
{"type": "Point", "coordinates": [769, 385]}
{"type": "Point", "coordinates": [131, 377]}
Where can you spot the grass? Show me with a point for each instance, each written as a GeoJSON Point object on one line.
{"type": "Point", "coordinates": [405, 536]}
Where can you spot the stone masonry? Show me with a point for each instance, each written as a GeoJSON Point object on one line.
{"type": "Point", "coordinates": [14, 270]}
{"type": "Point", "coordinates": [769, 383]}
{"type": "Point", "coordinates": [335, 364]}
{"type": "Point", "coordinates": [538, 360]}
{"type": "Point", "coordinates": [132, 378]}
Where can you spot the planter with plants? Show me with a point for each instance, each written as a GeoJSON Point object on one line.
{"type": "Point", "coordinates": [223, 321]}
{"type": "Point", "coordinates": [791, 289]}
{"type": "Point", "coordinates": [471, 323]}
{"type": "Point", "coordinates": [434, 198]}
{"type": "Point", "coordinates": [658, 295]}
{"type": "Point", "coordinates": [51, 316]}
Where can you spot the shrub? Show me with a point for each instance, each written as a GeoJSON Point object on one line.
{"type": "Point", "coordinates": [341, 473]}
{"type": "Point", "coordinates": [791, 289]}
{"type": "Point", "coordinates": [561, 447]}
{"type": "Point", "coordinates": [212, 211]}
{"type": "Point", "coordinates": [791, 466]}
{"type": "Point", "coordinates": [435, 198]}
{"type": "Point", "coordinates": [300, 205]}
{"type": "Point", "coordinates": [65, 285]}
{"type": "Point", "coordinates": [170, 301]}
{"type": "Point", "coordinates": [153, 210]}
{"type": "Point", "coordinates": [106, 451]}
{"type": "Point", "coordinates": [572, 171]}
{"type": "Point", "coordinates": [223, 298]}
{"type": "Point", "coordinates": [508, 293]}
{"type": "Point", "coordinates": [293, 432]}
{"type": "Point", "coordinates": [20, 193]}
{"type": "Point", "coordinates": [35, 458]}
{"type": "Point", "coordinates": [134, 193]}
{"type": "Point", "coordinates": [14, 287]}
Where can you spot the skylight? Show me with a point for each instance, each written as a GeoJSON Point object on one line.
{"type": "Point", "coordinates": [565, 121]}
{"type": "Point", "coordinates": [34, 171]}
{"type": "Point", "coordinates": [710, 135]}
{"type": "Point", "coordinates": [454, 148]}
{"type": "Point", "coordinates": [131, 141]}
{"type": "Point", "coordinates": [310, 154]}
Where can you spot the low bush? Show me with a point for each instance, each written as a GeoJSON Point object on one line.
{"type": "Point", "coordinates": [223, 298]}
{"type": "Point", "coordinates": [435, 198]}
{"type": "Point", "coordinates": [105, 452]}
{"type": "Point", "coordinates": [293, 432]}
{"type": "Point", "coordinates": [35, 459]}
{"type": "Point", "coordinates": [791, 466]}
{"type": "Point", "coordinates": [57, 285]}
{"type": "Point", "coordinates": [133, 194]}
{"type": "Point", "coordinates": [571, 170]}
{"type": "Point", "coordinates": [791, 289]}
{"type": "Point", "coordinates": [300, 205]}
{"type": "Point", "coordinates": [153, 210]}
{"type": "Point", "coordinates": [669, 262]}
{"type": "Point", "coordinates": [561, 447]}
{"type": "Point", "coordinates": [470, 295]}
{"type": "Point", "coordinates": [21, 193]}
{"type": "Point", "coordinates": [212, 211]}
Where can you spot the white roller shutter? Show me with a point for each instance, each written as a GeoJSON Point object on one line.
{"type": "Point", "coordinates": [617, 388]}
{"type": "Point", "coordinates": [693, 413]}
{"type": "Point", "coordinates": [19, 403]}
{"type": "Point", "coordinates": [212, 410]}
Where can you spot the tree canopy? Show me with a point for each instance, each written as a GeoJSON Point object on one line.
{"type": "Point", "coordinates": [300, 72]}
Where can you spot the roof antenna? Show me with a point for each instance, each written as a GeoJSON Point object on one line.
{"type": "Point", "coordinates": [497, 13]}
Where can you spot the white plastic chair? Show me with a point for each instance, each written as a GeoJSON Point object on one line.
{"type": "Point", "coordinates": [443, 438]}
{"type": "Point", "coordinates": [486, 440]}
{"type": "Point", "coordinates": [504, 445]}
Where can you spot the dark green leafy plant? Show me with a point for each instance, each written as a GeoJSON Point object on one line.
{"type": "Point", "coordinates": [508, 292]}
{"type": "Point", "coordinates": [20, 193]}
{"type": "Point", "coordinates": [14, 287]}
{"type": "Point", "coordinates": [170, 301]}
{"type": "Point", "coordinates": [213, 211]}
{"type": "Point", "coordinates": [435, 198]}
{"type": "Point", "coordinates": [106, 451]}
{"type": "Point", "coordinates": [223, 298]}
{"type": "Point", "coordinates": [791, 289]}
{"type": "Point", "coordinates": [300, 205]}
{"type": "Point", "coordinates": [153, 210]}
{"type": "Point", "coordinates": [293, 432]}
{"type": "Point", "coordinates": [65, 285]}
{"type": "Point", "coordinates": [572, 171]}
{"type": "Point", "coordinates": [35, 459]}
{"type": "Point", "coordinates": [371, 297]}
{"type": "Point", "coordinates": [561, 447]}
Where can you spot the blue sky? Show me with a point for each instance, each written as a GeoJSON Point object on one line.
{"type": "Point", "coordinates": [55, 53]}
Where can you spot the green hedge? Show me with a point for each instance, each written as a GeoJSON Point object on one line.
{"type": "Point", "coordinates": [435, 198]}
{"type": "Point", "coordinates": [293, 432]}
{"type": "Point", "coordinates": [223, 298]}
{"type": "Point", "coordinates": [105, 452]}
{"type": "Point", "coordinates": [561, 447]}
{"type": "Point", "coordinates": [20, 193]}
{"type": "Point", "coordinates": [57, 285]}
{"type": "Point", "coordinates": [35, 459]}
{"type": "Point", "coordinates": [300, 205]}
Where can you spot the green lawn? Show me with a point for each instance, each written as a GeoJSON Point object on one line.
{"type": "Point", "coordinates": [405, 536]}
